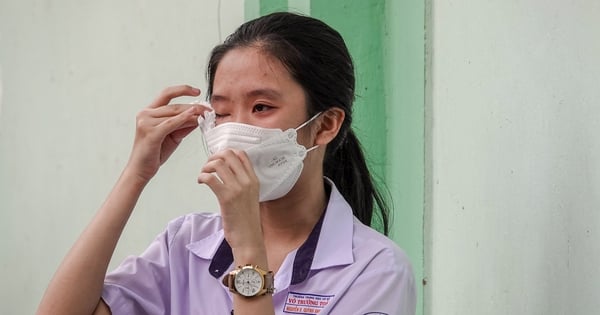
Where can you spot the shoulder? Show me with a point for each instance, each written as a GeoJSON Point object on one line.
{"type": "Point", "coordinates": [378, 247]}
{"type": "Point", "coordinates": [385, 264]}
{"type": "Point", "coordinates": [368, 247]}
{"type": "Point", "coordinates": [194, 226]}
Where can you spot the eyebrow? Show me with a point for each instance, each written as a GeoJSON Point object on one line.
{"type": "Point", "coordinates": [268, 93]}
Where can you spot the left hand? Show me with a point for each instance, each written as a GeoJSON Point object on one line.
{"type": "Point", "coordinates": [237, 193]}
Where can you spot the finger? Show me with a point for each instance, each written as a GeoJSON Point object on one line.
{"type": "Point", "coordinates": [211, 181]}
{"type": "Point", "coordinates": [245, 162]}
{"type": "Point", "coordinates": [231, 172]}
{"type": "Point", "coordinates": [213, 178]}
{"type": "Point", "coordinates": [183, 120]}
{"type": "Point", "coordinates": [172, 92]}
{"type": "Point", "coordinates": [178, 135]}
{"type": "Point", "coordinates": [231, 157]}
{"type": "Point", "coordinates": [243, 167]}
{"type": "Point", "coordinates": [151, 120]}
{"type": "Point", "coordinates": [223, 169]}
{"type": "Point", "coordinates": [174, 109]}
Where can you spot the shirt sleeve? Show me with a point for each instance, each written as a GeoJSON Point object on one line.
{"type": "Point", "coordinates": [141, 284]}
{"type": "Point", "coordinates": [385, 287]}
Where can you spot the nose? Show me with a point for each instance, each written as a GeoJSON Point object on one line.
{"type": "Point", "coordinates": [240, 115]}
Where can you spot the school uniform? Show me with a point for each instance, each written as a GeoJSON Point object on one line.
{"type": "Point", "coordinates": [344, 267]}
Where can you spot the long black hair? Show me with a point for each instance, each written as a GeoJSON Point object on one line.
{"type": "Point", "coordinates": [317, 58]}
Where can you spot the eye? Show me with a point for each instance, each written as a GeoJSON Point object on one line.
{"type": "Point", "coordinates": [260, 108]}
{"type": "Point", "coordinates": [220, 116]}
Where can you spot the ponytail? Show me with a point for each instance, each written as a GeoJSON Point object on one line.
{"type": "Point", "coordinates": [345, 165]}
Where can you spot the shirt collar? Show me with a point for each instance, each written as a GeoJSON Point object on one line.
{"type": "Point", "coordinates": [329, 244]}
{"type": "Point", "coordinates": [335, 241]}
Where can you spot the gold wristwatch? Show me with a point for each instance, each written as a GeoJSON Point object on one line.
{"type": "Point", "coordinates": [250, 281]}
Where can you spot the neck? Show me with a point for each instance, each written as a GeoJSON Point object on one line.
{"type": "Point", "coordinates": [295, 215]}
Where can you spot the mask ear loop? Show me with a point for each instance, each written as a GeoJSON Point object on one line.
{"type": "Point", "coordinates": [204, 123]}
{"type": "Point", "coordinates": [205, 145]}
{"type": "Point", "coordinates": [312, 148]}
{"type": "Point", "coordinates": [309, 121]}
{"type": "Point", "coordinates": [306, 123]}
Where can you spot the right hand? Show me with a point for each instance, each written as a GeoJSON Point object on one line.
{"type": "Point", "coordinates": [230, 175]}
{"type": "Point", "coordinates": [160, 128]}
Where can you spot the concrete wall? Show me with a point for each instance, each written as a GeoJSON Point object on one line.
{"type": "Point", "coordinates": [73, 76]}
{"type": "Point", "coordinates": [513, 205]}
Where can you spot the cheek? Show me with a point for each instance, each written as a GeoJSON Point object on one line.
{"type": "Point", "coordinates": [306, 137]}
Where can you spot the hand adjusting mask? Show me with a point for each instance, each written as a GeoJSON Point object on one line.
{"type": "Point", "coordinates": [276, 156]}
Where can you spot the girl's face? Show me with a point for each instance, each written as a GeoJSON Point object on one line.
{"type": "Point", "coordinates": [251, 87]}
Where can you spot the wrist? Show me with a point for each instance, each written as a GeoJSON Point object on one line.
{"type": "Point", "coordinates": [133, 179]}
{"type": "Point", "coordinates": [256, 256]}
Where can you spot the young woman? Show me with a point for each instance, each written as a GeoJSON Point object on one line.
{"type": "Point", "coordinates": [295, 195]}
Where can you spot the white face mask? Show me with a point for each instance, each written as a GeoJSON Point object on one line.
{"type": "Point", "coordinates": [275, 154]}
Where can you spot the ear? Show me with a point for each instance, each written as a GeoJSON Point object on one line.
{"type": "Point", "coordinates": [330, 123]}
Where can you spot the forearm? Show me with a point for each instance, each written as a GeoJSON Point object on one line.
{"type": "Point", "coordinates": [77, 285]}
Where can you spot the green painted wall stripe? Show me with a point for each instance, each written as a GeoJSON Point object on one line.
{"type": "Point", "coordinates": [365, 45]}
{"type": "Point", "coordinates": [405, 99]}
{"type": "Point", "coordinates": [270, 6]}
{"type": "Point", "coordinates": [386, 39]}
{"type": "Point", "coordinates": [251, 9]}
{"type": "Point", "coordinates": [299, 6]}
{"type": "Point", "coordinates": [256, 8]}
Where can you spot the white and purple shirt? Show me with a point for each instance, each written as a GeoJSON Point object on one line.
{"type": "Point", "coordinates": [344, 267]}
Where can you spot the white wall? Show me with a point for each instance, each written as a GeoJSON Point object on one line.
{"type": "Point", "coordinates": [513, 213]}
{"type": "Point", "coordinates": [73, 76]}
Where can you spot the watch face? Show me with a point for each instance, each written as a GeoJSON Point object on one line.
{"type": "Point", "coordinates": [248, 282]}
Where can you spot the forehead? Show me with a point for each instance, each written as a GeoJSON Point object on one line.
{"type": "Point", "coordinates": [251, 68]}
